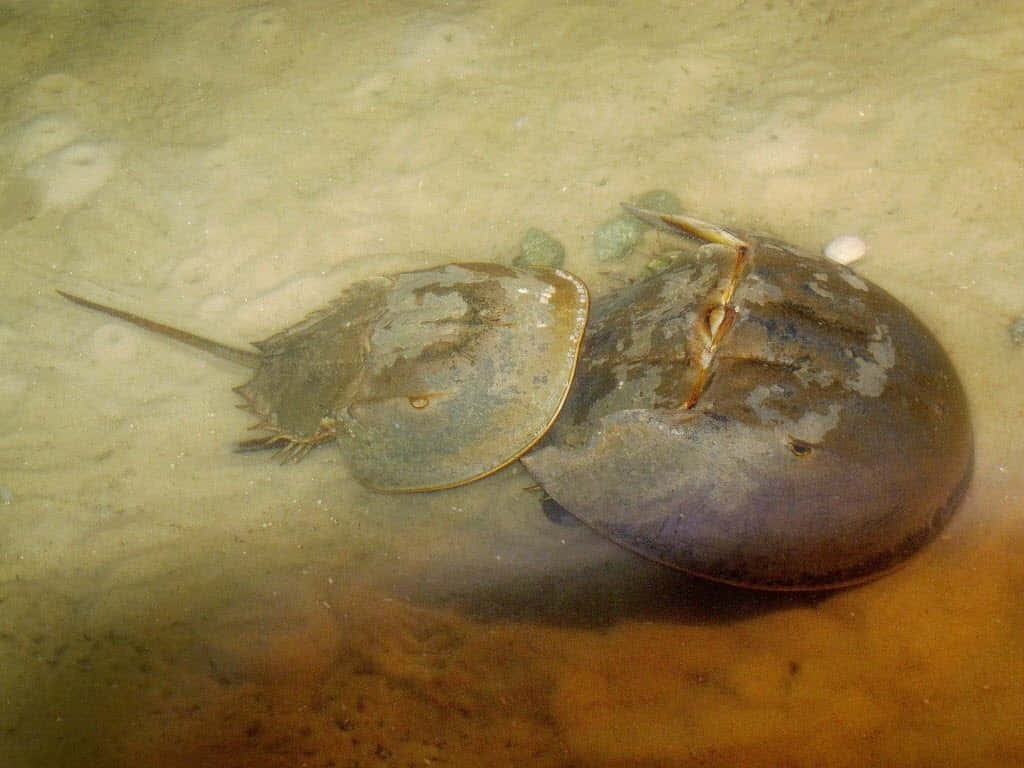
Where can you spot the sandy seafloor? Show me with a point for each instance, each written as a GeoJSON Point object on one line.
{"type": "Point", "coordinates": [229, 165]}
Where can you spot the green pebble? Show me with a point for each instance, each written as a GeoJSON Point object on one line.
{"type": "Point", "coordinates": [617, 237]}
{"type": "Point", "coordinates": [539, 249]}
{"type": "Point", "coordinates": [1017, 331]}
{"type": "Point", "coordinates": [659, 200]}
{"type": "Point", "coordinates": [664, 260]}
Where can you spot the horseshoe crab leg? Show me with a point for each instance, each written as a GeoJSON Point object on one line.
{"type": "Point", "coordinates": [720, 316]}
{"type": "Point", "coordinates": [689, 225]}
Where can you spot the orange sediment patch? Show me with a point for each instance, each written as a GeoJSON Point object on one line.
{"type": "Point", "coordinates": [375, 682]}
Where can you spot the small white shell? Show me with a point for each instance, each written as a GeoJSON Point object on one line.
{"type": "Point", "coordinates": [845, 249]}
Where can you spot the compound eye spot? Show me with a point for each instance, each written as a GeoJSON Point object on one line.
{"type": "Point", "coordinates": [419, 402]}
{"type": "Point", "coordinates": [799, 447]}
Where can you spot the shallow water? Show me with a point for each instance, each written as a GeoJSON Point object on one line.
{"type": "Point", "coordinates": [228, 166]}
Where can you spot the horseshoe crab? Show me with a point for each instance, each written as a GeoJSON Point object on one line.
{"type": "Point", "coordinates": [749, 415]}
{"type": "Point", "coordinates": [420, 376]}
{"type": "Point", "coordinates": [759, 417]}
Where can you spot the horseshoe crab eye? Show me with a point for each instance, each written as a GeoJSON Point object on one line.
{"type": "Point", "coordinates": [799, 447]}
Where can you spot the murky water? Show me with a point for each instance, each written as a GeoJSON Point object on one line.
{"type": "Point", "coordinates": [227, 166]}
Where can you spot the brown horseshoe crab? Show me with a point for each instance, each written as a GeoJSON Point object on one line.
{"type": "Point", "coordinates": [750, 415]}
{"type": "Point", "coordinates": [419, 376]}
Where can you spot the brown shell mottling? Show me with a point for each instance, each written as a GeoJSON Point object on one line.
{"type": "Point", "coordinates": [464, 370]}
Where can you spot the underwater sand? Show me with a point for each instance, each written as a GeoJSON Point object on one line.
{"type": "Point", "coordinates": [228, 166]}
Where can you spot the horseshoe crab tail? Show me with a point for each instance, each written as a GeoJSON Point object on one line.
{"type": "Point", "coordinates": [248, 358]}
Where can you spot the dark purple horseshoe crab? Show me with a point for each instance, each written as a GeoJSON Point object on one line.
{"type": "Point", "coordinates": [749, 415]}
{"type": "Point", "coordinates": [761, 418]}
